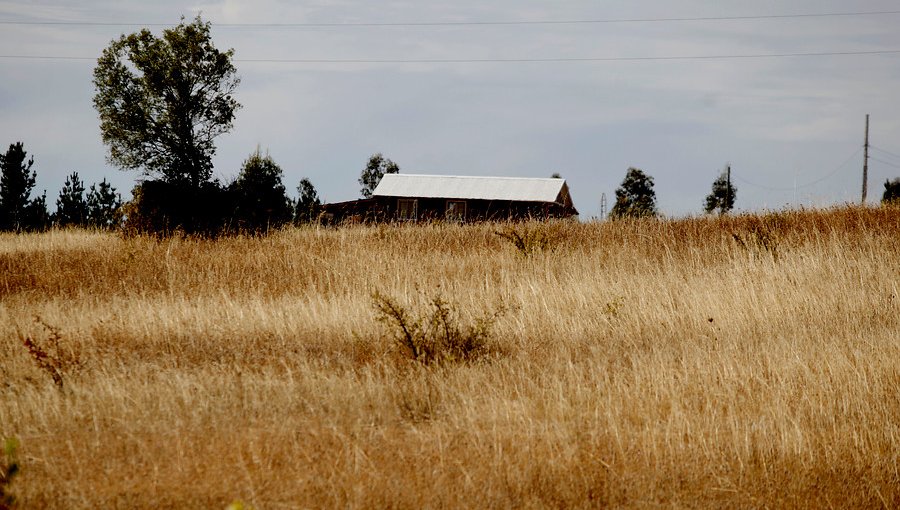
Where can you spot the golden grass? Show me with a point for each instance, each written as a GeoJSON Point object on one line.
{"type": "Point", "coordinates": [741, 362]}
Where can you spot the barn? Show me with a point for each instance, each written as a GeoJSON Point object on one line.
{"type": "Point", "coordinates": [410, 197]}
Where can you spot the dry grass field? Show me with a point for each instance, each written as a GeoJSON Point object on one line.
{"type": "Point", "coordinates": [751, 361]}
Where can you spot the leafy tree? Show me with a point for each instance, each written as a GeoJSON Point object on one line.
{"type": "Point", "coordinates": [17, 210]}
{"type": "Point", "coordinates": [635, 197]}
{"type": "Point", "coordinates": [103, 205]}
{"type": "Point", "coordinates": [308, 203]}
{"type": "Point", "coordinates": [375, 169]}
{"type": "Point", "coordinates": [71, 207]}
{"type": "Point", "coordinates": [891, 191]}
{"type": "Point", "coordinates": [162, 101]}
{"type": "Point", "coordinates": [261, 200]}
{"type": "Point", "coordinates": [721, 197]}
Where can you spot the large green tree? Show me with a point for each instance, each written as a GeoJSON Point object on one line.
{"type": "Point", "coordinates": [71, 206]}
{"type": "Point", "coordinates": [635, 197]}
{"type": "Point", "coordinates": [375, 169]}
{"type": "Point", "coordinates": [18, 211]}
{"type": "Point", "coordinates": [721, 197]}
{"type": "Point", "coordinates": [261, 200]}
{"type": "Point", "coordinates": [163, 100]}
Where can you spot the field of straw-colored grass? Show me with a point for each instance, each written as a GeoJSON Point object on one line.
{"type": "Point", "coordinates": [751, 361]}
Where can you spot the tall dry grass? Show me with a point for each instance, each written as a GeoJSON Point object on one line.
{"type": "Point", "coordinates": [741, 362]}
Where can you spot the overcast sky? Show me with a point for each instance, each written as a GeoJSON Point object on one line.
{"type": "Point", "coordinates": [791, 127]}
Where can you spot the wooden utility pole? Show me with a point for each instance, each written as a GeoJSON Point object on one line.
{"type": "Point", "coordinates": [728, 186]}
{"type": "Point", "coordinates": [866, 163]}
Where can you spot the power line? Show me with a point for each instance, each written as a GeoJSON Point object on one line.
{"type": "Point", "coordinates": [468, 23]}
{"type": "Point", "coordinates": [504, 60]}
{"type": "Point", "coordinates": [884, 151]}
{"type": "Point", "coordinates": [888, 163]}
{"type": "Point", "coordinates": [805, 185]}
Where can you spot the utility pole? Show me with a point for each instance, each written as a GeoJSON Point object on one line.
{"type": "Point", "coordinates": [866, 162]}
{"type": "Point", "coordinates": [603, 206]}
{"type": "Point", "coordinates": [728, 186]}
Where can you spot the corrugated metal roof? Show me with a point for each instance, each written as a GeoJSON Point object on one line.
{"type": "Point", "coordinates": [526, 189]}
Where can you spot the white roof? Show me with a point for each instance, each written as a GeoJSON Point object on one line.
{"type": "Point", "coordinates": [526, 189]}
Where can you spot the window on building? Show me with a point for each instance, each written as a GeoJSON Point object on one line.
{"type": "Point", "coordinates": [407, 209]}
{"type": "Point", "coordinates": [456, 210]}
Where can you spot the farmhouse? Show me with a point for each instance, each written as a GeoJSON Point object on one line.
{"type": "Point", "coordinates": [407, 197]}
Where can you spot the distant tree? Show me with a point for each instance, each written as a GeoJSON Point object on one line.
{"type": "Point", "coordinates": [891, 191]}
{"type": "Point", "coordinates": [104, 206]}
{"type": "Point", "coordinates": [162, 101]}
{"type": "Point", "coordinates": [722, 196]}
{"type": "Point", "coordinates": [556, 175]}
{"type": "Point", "coordinates": [37, 217]}
{"type": "Point", "coordinates": [375, 169]}
{"type": "Point", "coordinates": [308, 203]}
{"type": "Point", "coordinates": [635, 197]}
{"type": "Point", "coordinates": [17, 210]}
{"type": "Point", "coordinates": [261, 200]}
{"type": "Point", "coordinates": [71, 206]}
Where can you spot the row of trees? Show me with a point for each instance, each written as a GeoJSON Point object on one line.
{"type": "Point", "coordinates": [256, 200]}
{"type": "Point", "coordinates": [19, 211]}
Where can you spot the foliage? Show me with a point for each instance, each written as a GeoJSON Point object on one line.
{"type": "Point", "coordinates": [375, 169]}
{"type": "Point", "coordinates": [436, 335]}
{"type": "Point", "coordinates": [635, 197]}
{"type": "Point", "coordinates": [162, 101]}
{"type": "Point", "coordinates": [721, 197]}
{"type": "Point", "coordinates": [891, 191]}
{"type": "Point", "coordinates": [71, 206]}
{"type": "Point", "coordinates": [308, 203]}
{"type": "Point", "coordinates": [9, 468]}
{"type": "Point", "coordinates": [162, 209]}
{"type": "Point", "coordinates": [261, 200]}
{"type": "Point", "coordinates": [17, 211]}
{"type": "Point", "coordinates": [104, 206]}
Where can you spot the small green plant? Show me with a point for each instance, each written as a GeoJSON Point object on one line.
{"type": "Point", "coordinates": [51, 357]}
{"type": "Point", "coordinates": [527, 241]}
{"type": "Point", "coordinates": [9, 468]}
{"type": "Point", "coordinates": [436, 335]}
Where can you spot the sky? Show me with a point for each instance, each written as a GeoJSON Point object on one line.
{"type": "Point", "coordinates": [442, 88]}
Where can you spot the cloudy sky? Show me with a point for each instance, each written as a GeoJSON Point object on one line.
{"type": "Point", "coordinates": [440, 88]}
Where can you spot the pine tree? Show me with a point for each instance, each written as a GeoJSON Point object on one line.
{"type": "Point", "coordinates": [103, 206]}
{"type": "Point", "coordinates": [16, 183]}
{"type": "Point", "coordinates": [262, 202]}
{"type": "Point", "coordinates": [71, 207]}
